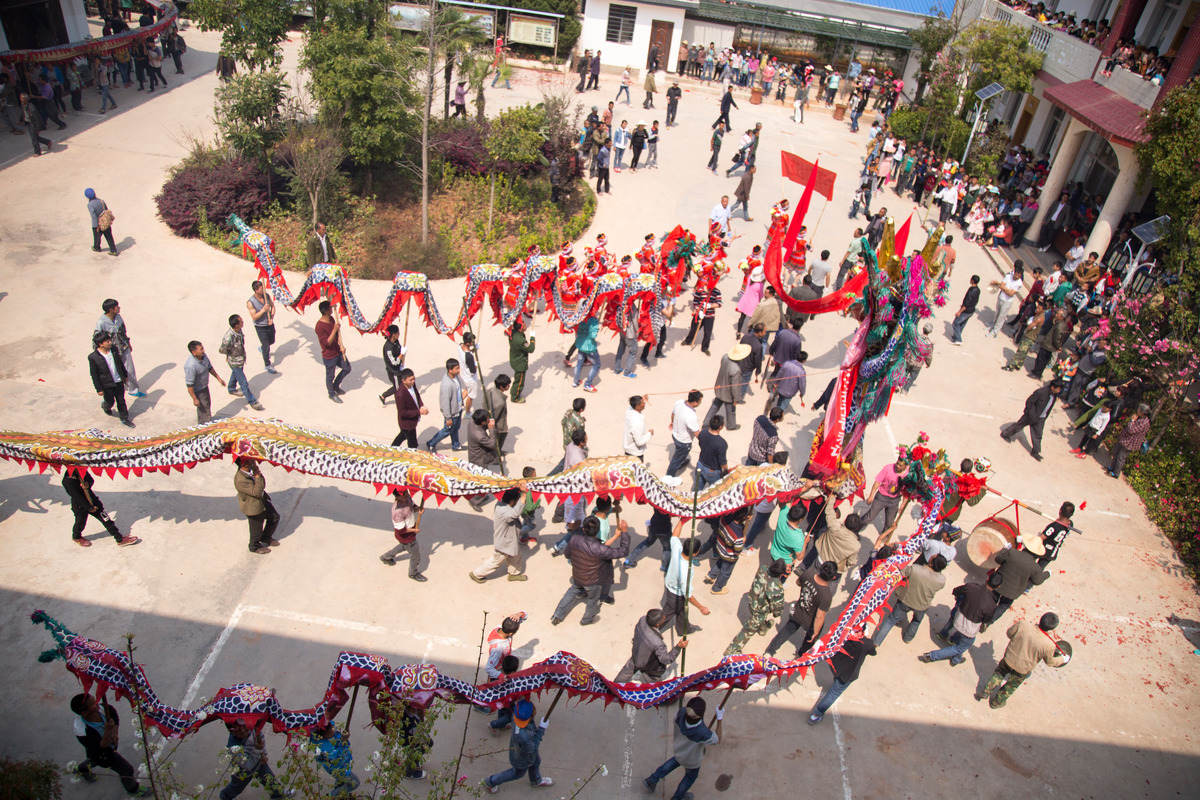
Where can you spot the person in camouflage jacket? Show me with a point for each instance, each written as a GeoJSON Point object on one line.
{"type": "Point", "coordinates": [766, 604]}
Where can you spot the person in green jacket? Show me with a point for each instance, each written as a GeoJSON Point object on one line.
{"type": "Point", "coordinates": [519, 348]}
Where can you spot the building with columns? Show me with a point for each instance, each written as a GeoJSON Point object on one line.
{"type": "Point", "coordinates": [1086, 122]}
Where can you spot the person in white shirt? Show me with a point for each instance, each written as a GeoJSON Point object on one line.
{"type": "Point", "coordinates": [1052, 282]}
{"type": "Point", "coordinates": [637, 435]}
{"type": "Point", "coordinates": [821, 272]}
{"type": "Point", "coordinates": [470, 371]}
{"type": "Point", "coordinates": [685, 424]}
{"type": "Point", "coordinates": [1075, 256]}
{"type": "Point", "coordinates": [1013, 283]}
{"type": "Point", "coordinates": [720, 214]}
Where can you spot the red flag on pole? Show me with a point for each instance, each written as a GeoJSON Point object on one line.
{"type": "Point", "coordinates": [902, 237]}
{"type": "Point", "coordinates": [800, 171]}
{"type": "Point", "coordinates": [801, 210]}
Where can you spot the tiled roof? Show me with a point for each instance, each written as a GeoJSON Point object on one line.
{"type": "Point", "coordinates": [1101, 109]}
{"type": "Point", "coordinates": [924, 8]}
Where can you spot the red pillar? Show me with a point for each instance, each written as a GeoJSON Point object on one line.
{"type": "Point", "coordinates": [1185, 61]}
{"type": "Point", "coordinates": [1123, 24]}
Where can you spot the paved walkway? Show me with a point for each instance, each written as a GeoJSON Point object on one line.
{"type": "Point", "coordinates": [1118, 722]}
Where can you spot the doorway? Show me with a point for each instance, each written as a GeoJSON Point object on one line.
{"type": "Point", "coordinates": [660, 34]}
{"type": "Point", "coordinates": [1031, 107]}
{"type": "Point", "coordinates": [33, 24]}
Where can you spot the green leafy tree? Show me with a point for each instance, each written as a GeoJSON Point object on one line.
{"type": "Point", "coordinates": [312, 153]}
{"type": "Point", "coordinates": [251, 30]}
{"type": "Point", "coordinates": [997, 52]}
{"type": "Point", "coordinates": [249, 113]}
{"type": "Point", "coordinates": [516, 136]}
{"type": "Point", "coordinates": [363, 81]}
{"type": "Point", "coordinates": [931, 38]}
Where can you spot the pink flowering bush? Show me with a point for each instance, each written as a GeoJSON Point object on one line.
{"type": "Point", "coordinates": [1165, 478]}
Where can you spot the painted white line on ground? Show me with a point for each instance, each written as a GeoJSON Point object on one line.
{"type": "Point", "coordinates": [211, 659]}
{"type": "Point", "coordinates": [841, 746]}
{"type": "Point", "coordinates": [1112, 514]}
{"type": "Point", "coordinates": [351, 625]}
{"type": "Point", "coordinates": [887, 426]}
{"type": "Point", "coordinates": [310, 619]}
{"type": "Point", "coordinates": [960, 412]}
{"type": "Point", "coordinates": [1148, 623]}
{"type": "Point", "coordinates": [627, 762]}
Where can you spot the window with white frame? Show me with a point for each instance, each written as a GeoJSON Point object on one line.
{"type": "Point", "coordinates": [621, 20]}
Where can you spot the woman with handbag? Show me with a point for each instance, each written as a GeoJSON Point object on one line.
{"type": "Point", "coordinates": [102, 221]}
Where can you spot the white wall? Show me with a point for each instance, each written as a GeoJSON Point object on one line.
{"type": "Point", "coordinates": [703, 32]}
{"type": "Point", "coordinates": [75, 20]}
{"type": "Point", "coordinates": [617, 56]}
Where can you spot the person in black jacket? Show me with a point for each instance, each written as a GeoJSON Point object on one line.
{"type": "Point", "coordinates": [845, 665]}
{"type": "Point", "coordinates": [393, 363]}
{"type": "Point", "coordinates": [84, 502]}
{"type": "Point", "coordinates": [1037, 408]}
{"type": "Point", "coordinates": [727, 102]}
{"type": "Point", "coordinates": [1018, 570]}
{"type": "Point", "coordinates": [591, 568]}
{"type": "Point", "coordinates": [108, 376]}
{"type": "Point", "coordinates": [97, 728]}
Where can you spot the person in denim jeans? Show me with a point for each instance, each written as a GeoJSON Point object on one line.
{"type": "Point", "coordinates": [691, 737]}
{"type": "Point", "coordinates": [523, 752]}
{"type": "Point", "coordinates": [845, 665]}
{"type": "Point", "coordinates": [916, 596]}
{"type": "Point", "coordinates": [233, 347]}
{"type": "Point", "coordinates": [965, 311]}
{"type": "Point", "coordinates": [450, 401]}
{"type": "Point", "coordinates": [711, 464]}
{"type": "Point", "coordinates": [974, 604]}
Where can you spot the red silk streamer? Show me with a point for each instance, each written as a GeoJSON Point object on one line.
{"type": "Point", "coordinates": [801, 210]}
{"type": "Point", "coordinates": [902, 237]}
{"type": "Point", "coordinates": [797, 170]}
{"type": "Point", "coordinates": [829, 455]}
{"type": "Point", "coordinates": [837, 301]}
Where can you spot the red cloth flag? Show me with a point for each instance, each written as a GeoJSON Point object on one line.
{"type": "Point", "coordinates": [797, 169]}
{"type": "Point", "coordinates": [801, 210]}
{"type": "Point", "coordinates": [902, 237]}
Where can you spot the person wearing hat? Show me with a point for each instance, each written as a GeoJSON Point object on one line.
{"type": "Point", "coordinates": [1028, 646]}
{"type": "Point", "coordinates": [769, 312]}
{"type": "Point", "coordinates": [523, 748]}
{"type": "Point", "coordinates": [1017, 570]}
{"type": "Point", "coordinates": [1037, 409]}
{"type": "Point", "coordinates": [727, 388]}
{"type": "Point", "coordinates": [102, 220]}
{"type": "Point", "coordinates": [691, 737]}
{"type": "Point", "coordinates": [752, 293]}
{"type": "Point", "coordinates": [673, 95]}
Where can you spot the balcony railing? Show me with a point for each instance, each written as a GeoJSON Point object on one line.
{"type": "Point", "coordinates": [1068, 59]}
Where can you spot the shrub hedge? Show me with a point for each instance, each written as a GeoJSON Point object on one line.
{"type": "Point", "coordinates": [235, 186]}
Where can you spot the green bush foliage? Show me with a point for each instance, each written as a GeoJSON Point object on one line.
{"type": "Point", "coordinates": [1165, 478]}
{"type": "Point", "coordinates": [32, 779]}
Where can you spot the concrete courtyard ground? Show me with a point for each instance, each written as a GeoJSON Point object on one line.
{"type": "Point", "coordinates": [1118, 722]}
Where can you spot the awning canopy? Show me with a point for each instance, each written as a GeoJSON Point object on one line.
{"type": "Point", "coordinates": [749, 13]}
{"type": "Point", "coordinates": [1101, 109]}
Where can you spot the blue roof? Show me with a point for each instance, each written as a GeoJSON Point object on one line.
{"type": "Point", "coordinates": [924, 8]}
